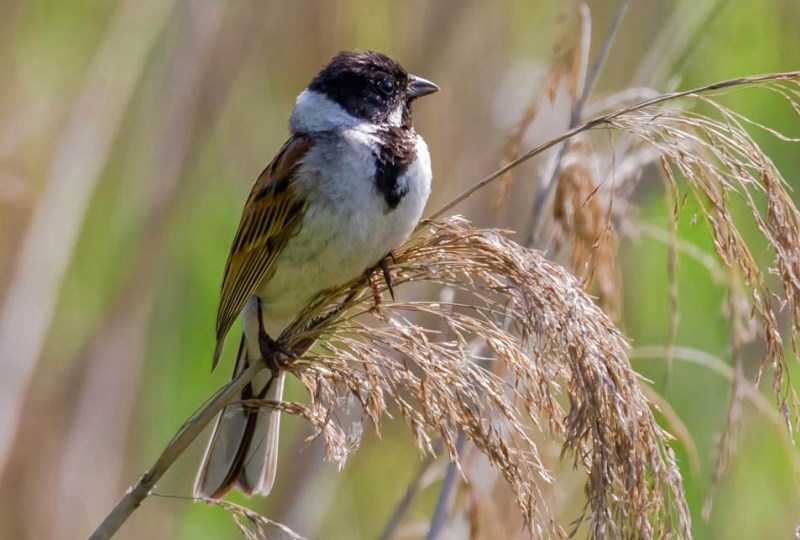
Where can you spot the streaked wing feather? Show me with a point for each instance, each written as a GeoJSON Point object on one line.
{"type": "Point", "coordinates": [269, 219]}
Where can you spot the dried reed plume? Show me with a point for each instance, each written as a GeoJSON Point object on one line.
{"type": "Point", "coordinates": [720, 162]}
{"type": "Point", "coordinates": [558, 346]}
{"type": "Point", "coordinates": [713, 158]}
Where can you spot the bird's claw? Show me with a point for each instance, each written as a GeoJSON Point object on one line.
{"type": "Point", "coordinates": [271, 350]}
{"type": "Point", "coordinates": [387, 275]}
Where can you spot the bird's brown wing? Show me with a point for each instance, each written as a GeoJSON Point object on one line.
{"type": "Point", "coordinates": [270, 217]}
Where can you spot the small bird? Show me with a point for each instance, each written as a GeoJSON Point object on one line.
{"type": "Point", "coordinates": [346, 189]}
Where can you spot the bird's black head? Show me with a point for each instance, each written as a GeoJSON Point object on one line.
{"type": "Point", "coordinates": [371, 86]}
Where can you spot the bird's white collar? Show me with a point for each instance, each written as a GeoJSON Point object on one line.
{"type": "Point", "coordinates": [314, 112]}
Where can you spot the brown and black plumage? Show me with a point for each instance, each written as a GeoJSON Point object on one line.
{"type": "Point", "coordinates": [346, 189]}
{"type": "Point", "coordinates": [269, 218]}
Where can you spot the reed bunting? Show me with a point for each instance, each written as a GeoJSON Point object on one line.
{"type": "Point", "coordinates": [346, 189]}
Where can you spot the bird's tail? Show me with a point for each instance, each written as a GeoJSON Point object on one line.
{"type": "Point", "coordinates": [243, 450]}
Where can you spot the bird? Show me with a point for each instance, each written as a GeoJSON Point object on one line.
{"type": "Point", "coordinates": [346, 189]}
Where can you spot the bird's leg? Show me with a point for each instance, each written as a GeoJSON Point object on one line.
{"type": "Point", "coordinates": [270, 348]}
{"type": "Point", "coordinates": [387, 275]}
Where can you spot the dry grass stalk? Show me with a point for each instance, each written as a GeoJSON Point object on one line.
{"type": "Point", "coordinates": [605, 120]}
{"type": "Point", "coordinates": [560, 346]}
{"type": "Point", "coordinates": [720, 161]}
{"type": "Point", "coordinates": [187, 433]}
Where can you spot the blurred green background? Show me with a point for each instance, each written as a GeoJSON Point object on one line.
{"type": "Point", "coordinates": [130, 133]}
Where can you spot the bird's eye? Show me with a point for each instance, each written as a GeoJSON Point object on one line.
{"type": "Point", "coordinates": [386, 86]}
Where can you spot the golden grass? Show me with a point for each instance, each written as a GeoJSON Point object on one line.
{"type": "Point", "coordinates": [565, 369]}
{"type": "Point", "coordinates": [557, 346]}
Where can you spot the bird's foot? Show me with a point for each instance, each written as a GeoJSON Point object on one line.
{"type": "Point", "coordinates": [271, 351]}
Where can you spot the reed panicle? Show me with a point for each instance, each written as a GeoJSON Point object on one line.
{"type": "Point", "coordinates": [569, 377]}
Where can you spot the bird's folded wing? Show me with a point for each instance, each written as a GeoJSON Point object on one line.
{"type": "Point", "coordinates": [270, 217]}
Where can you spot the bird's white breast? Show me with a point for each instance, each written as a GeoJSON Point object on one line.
{"type": "Point", "coordinates": [348, 226]}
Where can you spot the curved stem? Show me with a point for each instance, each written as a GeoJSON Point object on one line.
{"type": "Point", "coordinates": [608, 119]}
{"type": "Point", "coordinates": [188, 433]}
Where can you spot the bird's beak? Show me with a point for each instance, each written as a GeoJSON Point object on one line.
{"type": "Point", "coordinates": [420, 87]}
